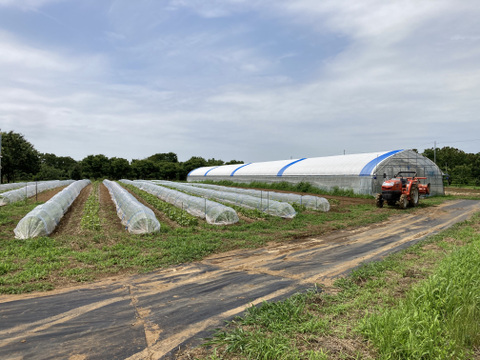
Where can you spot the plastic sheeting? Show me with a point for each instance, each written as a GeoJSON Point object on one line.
{"type": "Point", "coordinates": [351, 164]}
{"type": "Point", "coordinates": [214, 213]}
{"type": "Point", "coordinates": [11, 186]}
{"type": "Point", "coordinates": [309, 201]}
{"type": "Point", "coordinates": [266, 205]}
{"type": "Point", "coordinates": [30, 190]}
{"type": "Point", "coordinates": [136, 217]}
{"type": "Point", "coordinates": [42, 220]}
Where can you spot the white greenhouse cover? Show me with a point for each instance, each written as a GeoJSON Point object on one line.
{"type": "Point", "coordinates": [214, 213]}
{"type": "Point", "coordinates": [267, 205]}
{"type": "Point", "coordinates": [42, 220]}
{"type": "Point", "coordinates": [309, 201]}
{"type": "Point", "coordinates": [353, 164]}
{"type": "Point", "coordinates": [136, 217]}
{"type": "Point", "coordinates": [30, 190]}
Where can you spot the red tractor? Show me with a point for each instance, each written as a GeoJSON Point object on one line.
{"type": "Point", "coordinates": [403, 189]}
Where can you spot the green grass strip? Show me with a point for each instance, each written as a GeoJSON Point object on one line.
{"type": "Point", "coordinates": [440, 318]}
{"type": "Point", "coordinates": [180, 216]}
{"type": "Point", "coordinates": [269, 331]}
{"type": "Point", "coordinates": [91, 219]}
{"type": "Point", "coordinates": [304, 187]}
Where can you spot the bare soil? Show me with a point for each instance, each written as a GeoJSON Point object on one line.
{"type": "Point", "coordinates": [70, 223]}
{"type": "Point", "coordinates": [462, 191]}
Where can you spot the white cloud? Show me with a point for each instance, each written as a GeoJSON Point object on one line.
{"type": "Point", "coordinates": [405, 74]}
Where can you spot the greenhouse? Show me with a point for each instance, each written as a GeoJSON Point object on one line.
{"type": "Point", "coordinates": [362, 173]}
{"type": "Point", "coordinates": [271, 207]}
{"type": "Point", "coordinates": [136, 217]}
{"type": "Point", "coordinates": [42, 220]}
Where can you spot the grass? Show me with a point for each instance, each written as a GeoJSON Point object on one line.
{"type": "Point", "coordinates": [92, 252]}
{"type": "Point", "coordinates": [304, 187]}
{"type": "Point", "coordinates": [91, 218]}
{"type": "Point", "coordinates": [421, 303]}
{"type": "Point", "coordinates": [439, 317]}
{"type": "Point", "coordinates": [180, 216]}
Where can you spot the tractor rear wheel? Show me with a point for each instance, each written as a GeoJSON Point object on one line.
{"type": "Point", "coordinates": [403, 201]}
{"type": "Point", "coordinates": [414, 196]}
{"type": "Point", "coordinates": [379, 200]}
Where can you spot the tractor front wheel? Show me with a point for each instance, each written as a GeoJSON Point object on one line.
{"type": "Point", "coordinates": [379, 200]}
{"type": "Point", "coordinates": [403, 201]}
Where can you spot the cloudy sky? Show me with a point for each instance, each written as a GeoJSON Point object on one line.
{"type": "Point", "coordinates": [250, 80]}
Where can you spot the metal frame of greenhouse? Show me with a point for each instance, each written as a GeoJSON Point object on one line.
{"type": "Point", "coordinates": [362, 173]}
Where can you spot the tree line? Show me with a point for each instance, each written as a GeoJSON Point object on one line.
{"type": "Point", "coordinates": [22, 162]}
{"type": "Point", "coordinates": [459, 167]}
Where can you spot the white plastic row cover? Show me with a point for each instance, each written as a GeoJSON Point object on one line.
{"type": "Point", "coordinates": [11, 186]}
{"type": "Point", "coordinates": [136, 217]}
{"type": "Point", "coordinates": [213, 212]}
{"type": "Point", "coordinates": [42, 220]}
{"type": "Point", "coordinates": [309, 201]}
{"type": "Point", "coordinates": [272, 207]}
{"type": "Point", "coordinates": [30, 190]}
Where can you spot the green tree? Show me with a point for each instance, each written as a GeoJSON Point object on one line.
{"type": "Point", "coordinates": [48, 172]}
{"type": "Point", "coordinates": [191, 164]}
{"type": "Point", "coordinates": [119, 168]}
{"type": "Point", "coordinates": [76, 172]}
{"type": "Point", "coordinates": [20, 160]}
{"type": "Point", "coordinates": [55, 167]}
{"type": "Point", "coordinates": [164, 157]}
{"type": "Point", "coordinates": [145, 169]}
{"type": "Point", "coordinates": [233, 162]}
{"type": "Point", "coordinates": [461, 175]}
{"type": "Point", "coordinates": [96, 166]}
{"type": "Point", "coordinates": [169, 171]}
{"type": "Point", "coordinates": [214, 162]}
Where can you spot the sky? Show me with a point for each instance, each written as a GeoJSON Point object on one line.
{"type": "Point", "coordinates": [244, 80]}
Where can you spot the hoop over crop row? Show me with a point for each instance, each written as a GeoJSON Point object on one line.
{"type": "Point", "coordinates": [136, 217]}
{"type": "Point", "coordinates": [30, 190]}
{"type": "Point", "coordinates": [213, 212]}
{"type": "Point", "coordinates": [268, 206]}
{"type": "Point", "coordinates": [11, 186]}
{"type": "Point", "coordinates": [309, 201]}
{"type": "Point", "coordinates": [42, 220]}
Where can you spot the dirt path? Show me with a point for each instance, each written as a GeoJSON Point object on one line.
{"type": "Point", "coordinates": [153, 316]}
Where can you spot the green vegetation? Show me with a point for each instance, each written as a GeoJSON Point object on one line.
{"type": "Point", "coordinates": [22, 162]}
{"type": "Point", "coordinates": [91, 219]}
{"type": "Point", "coordinates": [440, 316]}
{"type": "Point", "coordinates": [304, 187]}
{"type": "Point", "coordinates": [421, 303]}
{"type": "Point", "coordinates": [178, 215]}
{"type": "Point", "coordinates": [94, 251]}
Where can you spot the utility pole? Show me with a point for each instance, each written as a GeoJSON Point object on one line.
{"type": "Point", "coordinates": [435, 152]}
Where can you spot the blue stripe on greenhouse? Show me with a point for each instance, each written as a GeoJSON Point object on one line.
{"type": "Point", "coordinates": [191, 172]}
{"type": "Point", "coordinates": [367, 169]}
{"type": "Point", "coordinates": [211, 170]}
{"type": "Point", "coordinates": [282, 170]}
{"type": "Point", "coordinates": [234, 171]}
